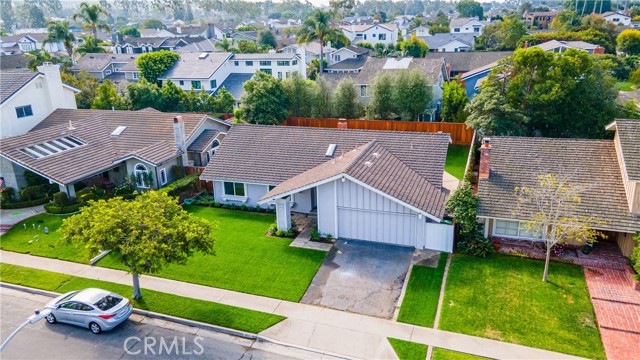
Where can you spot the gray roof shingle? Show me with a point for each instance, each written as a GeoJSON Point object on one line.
{"type": "Point", "coordinates": [191, 66]}
{"type": "Point", "coordinates": [203, 140]}
{"type": "Point", "coordinates": [234, 83]}
{"type": "Point", "coordinates": [13, 80]}
{"type": "Point", "coordinates": [518, 161]}
{"type": "Point", "coordinates": [272, 154]}
{"type": "Point", "coordinates": [437, 40]}
{"type": "Point", "coordinates": [629, 135]}
{"type": "Point", "coordinates": [432, 68]}
{"type": "Point", "coordinates": [94, 62]}
{"type": "Point", "coordinates": [468, 60]}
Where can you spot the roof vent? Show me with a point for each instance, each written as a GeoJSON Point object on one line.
{"type": "Point", "coordinates": [203, 56]}
{"type": "Point", "coordinates": [118, 130]}
{"type": "Point", "coordinates": [375, 155]}
{"type": "Point", "coordinates": [330, 150]}
{"type": "Point", "coordinates": [368, 163]}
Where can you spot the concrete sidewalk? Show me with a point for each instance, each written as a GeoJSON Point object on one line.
{"type": "Point", "coordinates": [354, 335]}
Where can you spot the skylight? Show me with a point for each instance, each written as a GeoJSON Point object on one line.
{"type": "Point", "coordinates": [118, 130]}
{"type": "Point", "coordinates": [51, 147]}
{"type": "Point", "coordinates": [330, 150]}
{"type": "Point", "coordinates": [203, 56]}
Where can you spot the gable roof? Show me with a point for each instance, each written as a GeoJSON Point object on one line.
{"type": "Point", "coordinates": [430, 67]}
{"type": "Point", "coordinates": [191, 66]}
{"type": "Point", "coordinates": [609, 13]}
{"type": "Point", "coordinates": [441, 39]}
{"type": "Point", "coordinates": [279, 153]}
{"type": "Point", "coordinates": [94, 62]}
{"type": "Point", "coordinates": [460, 22]}
{"type": "Point", "coordinates": [365, 27]}
{"type": "Point", "coordinates": [517, 162]}
{"type": "Point", "coordinates": [629, 136]}
{"type": "Point", "coordinates": [13, 62]}
{"type": "Point", "coordinates": [358, 50]}
{"type": "Point", "coordinates": [469, 60]}
{"type": "Point", "coordinates": [148, 136]}
{"type": "Point", "coordinates": [234, 83]}
{"type": "Point", "coordinates": [373, 165]}
{"type": "Point", "coordinates": [13, 81]}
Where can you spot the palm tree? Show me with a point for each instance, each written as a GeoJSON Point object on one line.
{"type": "Point", "coordinates": [89, 45]}
{"type": "Point", "coordinates": [317, 26]}
{"type": "Point", "coordinates": [225, 45]}
{"type": "Point", "coordinates": [90, 16]}
{"type": "Point", "coordinates": [59, 31]}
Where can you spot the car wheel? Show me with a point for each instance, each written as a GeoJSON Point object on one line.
{"type": "Point", "coordinates": [51, 319]}
{"type": "Point", "coordinates": [95, 328]}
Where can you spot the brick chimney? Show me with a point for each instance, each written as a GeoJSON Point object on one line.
{"type": "Point", "coordinates": [342, 124]}
{"type": "Point", "coordinates": [180, 137]}
{"type": "Point", "coordinates": [526, 44]}
{"type": "Point", "coordinates": [448, 69]}
{"type": "Point", "coordinates": [485, 159]}
{"type": "Point", "coordinates": [598, 50]}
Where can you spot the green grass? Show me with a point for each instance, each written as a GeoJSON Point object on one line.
{"type": "Point", "coordinates": [423, 291]}
{"type": "Point", "coordinates": [456, 161]}
{"type": "Point", "coordinates": [444, 354]}
{"type": "Point", "coordinates": [199, 310]}
{"type": "Point", "coordinates": [407, 350]}
{"type": "Point", "coordinates": [625, 86]}
{"type": "Point", "coordinates": [504, 298]}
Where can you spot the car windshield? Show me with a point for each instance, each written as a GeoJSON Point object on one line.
{"type": "Point", "coordinates": [67, 297]}
{"type": "Point", "coordinates": [108, 302]}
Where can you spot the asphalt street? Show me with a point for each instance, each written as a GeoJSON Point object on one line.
{"type": "Point", "coordinates": [137, 338]}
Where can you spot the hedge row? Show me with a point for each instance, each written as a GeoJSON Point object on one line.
{"type": "Point", "coordinates": [23, 204]}
{"type": "Point", "coordinates": [186, 183]}
{"type": "Point", "coordinates": [52, 209]}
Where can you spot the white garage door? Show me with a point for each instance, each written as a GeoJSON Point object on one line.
{"type": "Point", "coordinates": [378, 226]}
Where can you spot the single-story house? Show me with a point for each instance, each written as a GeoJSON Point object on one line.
{"type": "Point", "coordinates": [380, 186]}
{"type": "Point", "coordinates": [72, 145]}
{"type": "Point", "coordinates": [609, 168]}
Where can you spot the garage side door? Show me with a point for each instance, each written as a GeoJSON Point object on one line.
{"type": "Point", "coordinates": [366, 215]}
{"type": "Point", "coordinates": [439, 237]}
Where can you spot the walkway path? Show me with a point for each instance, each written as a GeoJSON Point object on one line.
{"type": "Point", "coordinates": [354, 335]}
{"type": "Point", "coordinates": [617, 308]}
{"type": "Point", "coordinates": [10, 217]}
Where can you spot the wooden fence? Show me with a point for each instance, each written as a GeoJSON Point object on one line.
{"type": "Point", "coordinates": [201, 184]}
{"type": "Point", "coordinates": [460, 134]}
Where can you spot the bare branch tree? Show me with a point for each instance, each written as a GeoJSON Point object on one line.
{"type": "Point", "coordinates": [551, 211]}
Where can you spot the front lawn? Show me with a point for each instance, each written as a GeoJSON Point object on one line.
{"type": "Point", "coordinates": [503, 298]}
{"type": "Point", "coordinates": [407, 350]}
{"type": "Point", "coordinates": [245, 259]}
{"type": "Point", "coordinates": [444, 354]}
{"type": "Point", "coordinates": [193, 309]}
{"type": "Point", "coordinates": [456, 161]}
{"type": "Point", "coordinates": [420, 301]}
{"type": "Point", "coordinates": [625, 86]}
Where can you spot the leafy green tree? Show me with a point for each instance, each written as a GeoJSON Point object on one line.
{"type": "Point", "coordinates": [58, 31]}
{"type": "Point", "coordinates": [366, 45]}
{"type": "Point", "coordinates": [264, 100]}
{"type": "Point", "coordinates": [503, 35]}
{"type": "Point", "coordinates": [313, 68]}
{"type": "Point", "coordinates": [248, 47]}
{"type": "Point", "coordinates": [565, 20]}
{"type": "Point", "coordinates": [87, 84]}
{"type": "Point", "coordinates": [154, 64]}
{"type": "Point", "coordinates": [629, 42]}
{"type": "Point", "coordinates": [148, 233]}
{"type": "Point", "coordinates": [317, 27]}
{"type": "Point", "coordinates": [224, 45]}
{"type": "Point", "coordinates": [89, 46]}
{"type": "Point", "coordinates": [415, 47]}
{"type": "Point", "coordinates": [346, 97]}
{"type": "Point", "coordinates": [152, 24]}
{"type": "Point", "coordinates": [107, 98]}
{"type": "Point", "coordinates": [37, 58]}
{"type": "Point", "coordinates": [224, 101]}
{"type": "Point", "coordinates": [172, 96]}
{"type": "Point", "coordinates": [463, 207]}
{"type": "Point", "coordinates": [454, 100]}
{"type": "Point", "coordinates": [590, 35]}
{"type": "Point", "coordinates": [470, 8]}
{"type": "Point", "coordinates": [439, 29]}
{"type": "Point", "coordinates": [144, 94]}
{"type": "Point", "coordinates": [7, 14]}
{"type": "Point", "coordinates": [412, 93]}
{"type": "Point", "coordinates": [130, 31]}
{"type": "Point", "coordinates": [382, 104]}
{"type": "Point", "coordinates": [299, 91]}
{"type": "Point", "coordinates": [323, 99]}
{"type": "Point", "coordinates": [91, 16]}
{"type": "Point", "coordinates": [267, 39]}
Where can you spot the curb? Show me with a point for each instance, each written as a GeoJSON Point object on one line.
{"type": "Point", "coordinates": [192, 323]}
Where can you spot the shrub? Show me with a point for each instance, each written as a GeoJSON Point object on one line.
{"type": "Point", "coordinates": [635, 257]}
{"type": "Point", "coordinates": [34, 192]}
{"type": "Point", "coordinates": [315, 234]}
{"type": "Point", "coordinates": [477, 245]}
{"type": "Point", "coordinates": [216, 204]}
{"type": "Point", "coordinates": [273, 228]}
{"type": "Point", "coordinates": [280, 233]}
{"type": "Point", "coordinates": [24, 204]}
{"type": "Point", "coordinates": [84, 198]}
{"type": "Point", "coordinates": [634, 76]}
{"type": "Point", "coordinates": [8, 195]}
{"type": "Point", "coordinates": [60, 199]}
{"type": "Point", "coordinates": [558, 249]}
{"type": "Point", "coordinates": [52, 209]}
{"type": "Point", "coordinates": [179, 186]}
{"type": "Point", "coordinates": [34, 179]}
{"type": "Point", "coordinates": [328, 237]}
{"type": "Point", "coordinates": [244, 208]}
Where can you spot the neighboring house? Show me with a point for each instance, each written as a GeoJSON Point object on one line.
{"type": "Point", "coordinates": [448, 42]}
{"type": "Point", "coordinates": [347, 178]}
{"type": "Point", "coordinates": [609, 168]}
{"type": "Point", "coordinates": [70, 146]}
{"type": "Point", "coordinates": [467, 26]}
{"type": "Point", "coordinates": [206, 45]}
{"type": "Point", "coordinates": [27, 97]}
{"type": "Point", "coordinates": [13, 62]}
{"type": "Point", "coordinates": [234, 83]}
{"type": "Point", "coordinates": [374, 33]}
{"type": "Point", "coordinates": [106, 66]}
{"type": "Point", "coordinates": [244, 35]}
{"type": "Point", "coordinates": [134, 45]}
{"type": "Point", "coordinates": [617, 18]}
{"type": "Point", "coordinates": [281, 66]}
{"type": "Point", "coordinates": [539, 19]}
{"type": "Point", "coordinates": [349, 59]}
{"type": "Point", "coordinates": [358, 20]}
{"type": "Point", "coordinates": [155, 33]}
{"type": "Point", "coordinates": [462, 62]}
{"type": "Point", "coordinates": [473, 79]}
{"type": "Point", "coordinates": [421, 31]}
{"type": "Point", "coordinates": [434, 69]}
{"type": "Point", "coordinates": [24, 43]}
{"type": "Point", "coordinates": [310, 51]}
{"type": "Point", "coordinates": [635, 25]}
{"type": "Point", "coordinates": [207, 31]}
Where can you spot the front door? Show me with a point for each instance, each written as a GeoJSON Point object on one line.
{"type": "Point", "coordinates": [314, 199]}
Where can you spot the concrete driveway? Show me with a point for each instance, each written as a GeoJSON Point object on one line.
{"type": "Point", "coordinates": [361, 277]}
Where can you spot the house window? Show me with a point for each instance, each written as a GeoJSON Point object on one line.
{"type": "Point", "coordinates": [279, 75]}
{"type": "Point", "coordinates": [266, 71]}
{"type": "Point", "coordinates": [236, 63]}
{"type": "Point", "coordinates": [365, 36]}
{"type": "Point", "coordinates": [456, 29]}
{"type": "Point", "coordinates": [163, 176]}
{"type": "Point", "coordinates": [249, 63]}
{"type": "Point", "coordinates": [283, 63]}
{"type": "Point", "coordinates": [265, 63]}
{"type": "Point", "coordinates": [513, 228]}
{"type": "Point", "coordinates": [295, 62]}
{"type": "Point", "coordinates": [181, 82]}
{"type": "Point", "coordinates": [140, 171]}
{"type": "Point", "coordinates": [382, 36]}
{"type": "Point", "coordinates": [108, 72]}
{"type": "Point", "coordinates": [373, 35]}
{"type": "Point", "coordinates": [213, 83]}
{"type": "Point", "coordinates": [363, 90]}
{"type": "Point", "coordinates": [234, 189]}
{"type": "Point", "coordinates": [196, 84]}
{"type": "Point", "coordinates": [336, 58]}
{"type": "Point", "coordinates": [24, 111]}
{"type": "Point", "coordinates": [135, 75]}
{"type": "Point", "coordinates": [287, 75]}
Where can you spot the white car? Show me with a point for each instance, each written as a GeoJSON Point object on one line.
{"type": "Point", "coordinates": [96, 309]}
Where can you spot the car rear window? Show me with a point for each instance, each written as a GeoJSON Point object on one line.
{"type": "Point", "coordinates": [108, 302]}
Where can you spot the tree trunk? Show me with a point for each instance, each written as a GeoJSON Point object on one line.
{"type": "Point", "coordinates": [545, 276]}
{"type": "Point", "coordinates": [136, 287]}
{"type": "Point", "coordinates": [321, 57]}
{"type": "Point", "coordinates": [95, 36]}
{"type": "Point", "coordinates": [584, 6]}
